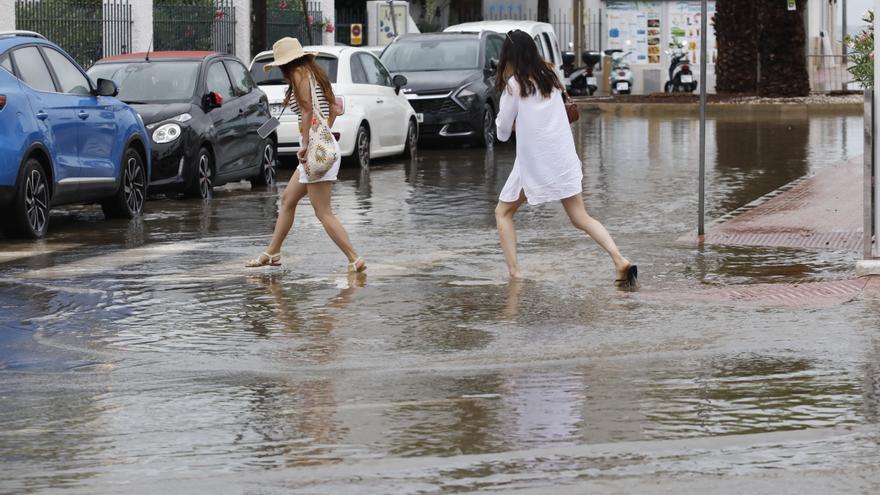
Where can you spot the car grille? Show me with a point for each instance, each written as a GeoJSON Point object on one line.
{"type": "Point", "coordinates": [435, 106]}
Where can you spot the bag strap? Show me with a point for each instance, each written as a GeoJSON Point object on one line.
{"type": "Point", "coordinates": [316, 104]}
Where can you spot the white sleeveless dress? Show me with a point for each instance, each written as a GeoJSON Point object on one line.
{"type": "Point", "coordinates": [324, 106]}
{"type": "Point", "coordinates": [547, 166]}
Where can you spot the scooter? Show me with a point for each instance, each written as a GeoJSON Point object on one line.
{"type": "Point", "coordinates": [621, 77]}
{"type": "Point", "coordinates": [581, 81]}
{"type": "Point", "coordinates": [681, 79]}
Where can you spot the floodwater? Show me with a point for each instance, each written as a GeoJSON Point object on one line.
{"type": "Point", "coordinates": [141, 357]}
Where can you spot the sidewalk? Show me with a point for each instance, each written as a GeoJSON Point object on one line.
{"type": "Point", "coordinates": [822, 212]}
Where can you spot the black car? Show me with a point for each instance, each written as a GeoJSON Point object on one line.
{"type": "Point", "coordinates": [203, 112]}
{"type": "Point", "coordinates": [451, 82]}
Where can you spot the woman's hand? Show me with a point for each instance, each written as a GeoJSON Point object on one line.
{"type": "Point", "coordinates": [302, 154]}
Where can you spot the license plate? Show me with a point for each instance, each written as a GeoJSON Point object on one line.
{"type": "Point", "coordinates": [420, 117]}
{"type": "Point", "coordinates": [622, 86]}
{"type": "Point", "coordinates": [592, 81]}
{"type": "Point", "coordinates": [275, 109]}
{"type": "Point", "coordinates": [687, 79]}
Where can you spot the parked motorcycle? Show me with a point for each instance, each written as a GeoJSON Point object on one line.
{"type": "Point", "coordinates": [621, 77]}
{"type": "Point", "coordinates": [582, 81]}
{"type": "Point", "coordinates": [681, 79]}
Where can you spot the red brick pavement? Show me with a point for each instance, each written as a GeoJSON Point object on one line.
{"type": "Point", "coordinates": [804, 295]}
{"type": "Point", "coordinates": [823, 211]}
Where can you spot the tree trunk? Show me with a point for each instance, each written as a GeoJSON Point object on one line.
{"type": "Point", "coordinates": [305, 9]}
{"type": "Point", "coordinates": [736, 34]}
{"type": "Point", "coordinates": [783, 55]}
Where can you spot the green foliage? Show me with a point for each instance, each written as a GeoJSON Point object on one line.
{"type": "Point", "coordinates": [862, 53]}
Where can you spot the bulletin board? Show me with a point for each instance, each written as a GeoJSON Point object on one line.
{"type": "Point", "coordinates": [636, 27]}
{"type": "Point", "coordinates": [684, 24]}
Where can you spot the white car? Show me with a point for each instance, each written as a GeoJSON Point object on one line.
{"type": "Point", "coordinates": [542, 32]}
{"type": "Point", "coordinates": [375, 117]}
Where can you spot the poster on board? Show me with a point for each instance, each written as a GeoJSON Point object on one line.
{"type": "Point", "coordinates": [635, 27]}
{"type": "Point", "coordinates": [684, 25]}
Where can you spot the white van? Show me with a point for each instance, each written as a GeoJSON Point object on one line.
{"type": "Point", "coordinates": [541, 32]}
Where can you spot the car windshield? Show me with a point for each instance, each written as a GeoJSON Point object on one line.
{"type": "Point", "coordinates": [329, 64]}
{"type": "Point", "coordinates": [151, 82]}
{"type": "Point", "coordinates": [409, 55]}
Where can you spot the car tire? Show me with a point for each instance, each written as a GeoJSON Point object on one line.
{"type": "Point", "coordinates": [268, 166]}
{"type": "Point", "coordinates": [412, 139]}
{"type": "Point", "coordinates": [31, 205]}
{"type": "Point", "coordinates": [128, 202]}
{"type": "Point", "coordinates": [488, 136]}
{"type": "Point", "coordinates": [361, 155]}
{"type": "Point", "coordinates": [203, 176]}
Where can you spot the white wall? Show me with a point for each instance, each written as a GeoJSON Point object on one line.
{"type": "Point", "coordinates": [142, 29]}
{"type": "Point", "coordinates": [328, 10]}
{"type": "Point", "coordinates": [7, 15]}
{"type": "Point", "coordinates": [243, 30]}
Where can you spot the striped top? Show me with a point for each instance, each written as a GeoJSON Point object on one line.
{"type": "Point", "coordinates": [322, 103]}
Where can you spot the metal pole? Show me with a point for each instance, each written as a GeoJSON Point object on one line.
{"type": "Point", "coordinates": [704, 52]}
{"type": "Point", "coordinates": [843, 49]}
{"type": "Point", "coordinates": [871, 195]}
{"type": "Point", "coordinates": [393, 17]}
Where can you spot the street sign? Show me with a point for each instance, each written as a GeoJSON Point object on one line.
{"type": "Point", "coordinates": [357, 32]}
{"type": "Point", "coordinates": [792, 5]}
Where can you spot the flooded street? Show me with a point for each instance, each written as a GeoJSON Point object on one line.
{"type": "Point", "coordinates": [143, 357]}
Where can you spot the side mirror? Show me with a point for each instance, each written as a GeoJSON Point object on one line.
{"type": "Point", "coordinates": [493, 64]}
{"type": "Point", "coordinates": [106, 87]}
{"type": "Point", "coordinates": [212, 100]}
{"type": "Point", "coordinates": [399, 81]}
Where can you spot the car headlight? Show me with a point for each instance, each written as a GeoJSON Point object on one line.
{"type": "Point", "coordinates": [166, 133]}
{"type": "Point", "coordinates": [465, 98]}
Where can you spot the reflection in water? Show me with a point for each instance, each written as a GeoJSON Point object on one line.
{"type": "Point", "coordinates": [755, 157]}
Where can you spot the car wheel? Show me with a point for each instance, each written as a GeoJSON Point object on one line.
{"type": "Point", "coordinates": [268, 166]}
{"type": "Point", "coordinates": [31, 203]}
{"type": "Point", "coordinates": [487, 138]}
{"type": "Point", "coordinates": [203, 181]}
{"type": "Point", "coordinates": [361, 155]}
{"type": "Point", "coordinates": [412, 139]}
{"type": "Point", "coordinates": [128, 202]}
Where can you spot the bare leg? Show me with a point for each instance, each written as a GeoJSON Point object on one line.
{"type": "Point", "coordinates": [507, 232]}
{"type": "Point", "coordinates": [290, 198]}
{"type": "Point", "coordinates": [577, 213]}
{"type": "Point", "coordinates": [319, 195]}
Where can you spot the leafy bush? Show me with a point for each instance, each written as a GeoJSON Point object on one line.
{"type": "Point", "coordinates": [862, 53]}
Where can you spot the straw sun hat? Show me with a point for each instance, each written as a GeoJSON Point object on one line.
{"type": "Point", "coordinates": [284, 51]}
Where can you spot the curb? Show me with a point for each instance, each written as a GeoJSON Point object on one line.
{"type": "Point", "coordinates": [718, 109]}
{"type": "Point", "coordinates": [866, 268]}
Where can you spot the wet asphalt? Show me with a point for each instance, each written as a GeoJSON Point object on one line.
{"type": "Point", "coordinates": [142, 355]}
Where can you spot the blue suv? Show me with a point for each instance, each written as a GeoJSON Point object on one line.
{"type": "Point", "coordinates": [63, 138]}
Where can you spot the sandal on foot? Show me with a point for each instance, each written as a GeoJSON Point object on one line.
{"type": "Point", "coordinates": [264, 259]}
{"type": "Point", "coordinates": [631, 276]}
{"type": "Point", "coordinates": [352, 267]}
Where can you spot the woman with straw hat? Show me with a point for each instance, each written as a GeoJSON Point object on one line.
{"type": "Point", "coordinates": [310, 96]}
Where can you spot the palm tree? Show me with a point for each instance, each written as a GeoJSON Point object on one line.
{"type": "Point", "coordinates": [736, 35]}
{"type": "Point", "coordinates": [783, 58]}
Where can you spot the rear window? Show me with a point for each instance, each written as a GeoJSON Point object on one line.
{"type": "Point", "coordinates": [328, 63]}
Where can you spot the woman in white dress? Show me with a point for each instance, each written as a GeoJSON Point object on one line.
{"type": "Point", "coordinates": [547, 167]}
{"type": "Point", "coordinates": [298, 67]}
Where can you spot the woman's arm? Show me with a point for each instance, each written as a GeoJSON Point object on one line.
{"type": "Point", "coordinates": [334, 112]}
{"type": "Point", "coordinates": [506, 119]}
{"type": "Point", "coordinates": [303, 94]}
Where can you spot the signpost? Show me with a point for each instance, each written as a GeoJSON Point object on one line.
{"type": "Point", "coordinates": [357, 33]}
{"type": "Point", "coordinates": [704, 50]}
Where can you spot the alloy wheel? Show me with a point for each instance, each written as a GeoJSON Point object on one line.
{"type": "Point", "coordinates": [133, 184]}
{"type": "Point", "coordinates": [488, 127]}
{"type": "Point", "coordinates": [269, 171]}
{"type": "Point", "coordinates": [363, 147]}
{"type": "Point", "coordinates": [36, 201]}
{"type": "Point", "coordinates": [413, 137]}
{"type": "Point", "coordinates": [205, 181]}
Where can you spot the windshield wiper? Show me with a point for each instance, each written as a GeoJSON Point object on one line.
{"type": "Point", "coordinates": [135, 102]}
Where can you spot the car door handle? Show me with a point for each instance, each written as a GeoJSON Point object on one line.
{"type": "Point", "coordinates": [42, 115]}
{"type": "Point", "coordinates": [380, 100]}
{"type": "Point", "coordinates": [241, 111]}
{"type": "Point", "coordinates": [83, 114]}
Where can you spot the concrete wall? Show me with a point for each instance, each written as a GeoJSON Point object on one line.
{"type": "Point", "coordinates": [7, 15]}
{"type": "Point", "coordinates": [142, 29]}
{"type": "Point", "coordinates": [243, 30]}
{"type": "Point", "coordinates": [328, 9]}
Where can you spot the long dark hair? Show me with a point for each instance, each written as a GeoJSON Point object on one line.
{"type": "Point", "coordinates": [309, 63]}
{"type": "Point", "coordinates": [520, 59]}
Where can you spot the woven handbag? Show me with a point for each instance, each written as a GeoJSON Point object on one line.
{"type": "Point", "coordinates": [321, 155]}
